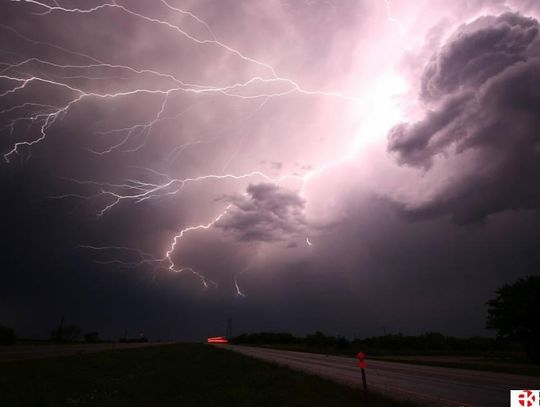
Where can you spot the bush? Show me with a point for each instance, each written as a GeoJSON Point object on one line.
{"type": "Point", "coordinates": [7, 336]}
{"type": "Point", "coordinates": [68, 333]}
{"type": "Point", "coordinates": [91, 337]}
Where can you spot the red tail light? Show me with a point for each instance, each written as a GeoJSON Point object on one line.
{"type": "Point", "coordinates": [217, 339]}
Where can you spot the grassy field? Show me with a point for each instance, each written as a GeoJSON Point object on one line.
{"type": "Point", "coordinates": [508, 363]}
{"type": "Point", "coordinates": [169, 375]}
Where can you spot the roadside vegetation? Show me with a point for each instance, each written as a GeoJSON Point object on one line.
{"type": "Point", "coordinates": [7, 336]}
{"type": "Point", "coordinates": [432, 349]}
{"type": "Point", "coordinates": [65, 334]}
{"type": "Point", "coordinates": [169, 375]}
{"type": "Point", "coordinates": [514, 314]}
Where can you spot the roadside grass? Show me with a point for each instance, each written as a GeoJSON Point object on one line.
{"type": "Point", "coordinates": [506, 363]}
{"type": "Point", "coordinates": [169, 375]}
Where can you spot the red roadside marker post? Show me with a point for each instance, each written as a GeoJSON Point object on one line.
{"type": "Point", "coordinates": [362, 364]}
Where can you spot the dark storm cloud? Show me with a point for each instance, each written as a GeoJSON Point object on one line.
{"type": "Point", "coordinates": [417, 143]}
{"type": "Point", "coordinates": [478, 51]}
{"type": "Point", "coordinates": [482, 89]}
{"type": "Point", "coordinates": [267, 213]}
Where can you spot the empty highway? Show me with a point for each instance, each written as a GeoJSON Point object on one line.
{"type": "Point", "coordinates": [425, 384]}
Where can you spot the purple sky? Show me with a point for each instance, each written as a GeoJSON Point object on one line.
{"type": "Point", "coordinates": [348, 166]}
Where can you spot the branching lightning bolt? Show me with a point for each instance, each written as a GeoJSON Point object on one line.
{"type": "Point", "coordinates": [20, 75]}
{"type": "Point", "coordinates": [392, 19]}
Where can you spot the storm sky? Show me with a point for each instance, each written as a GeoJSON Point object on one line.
{"type": "Point", "coordinates": [350, 166]}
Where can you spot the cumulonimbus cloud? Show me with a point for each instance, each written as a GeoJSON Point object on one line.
{"type": "Point", "coordinates": [266, 213]}
{"type": "Point", "coordinates": [481, 91]}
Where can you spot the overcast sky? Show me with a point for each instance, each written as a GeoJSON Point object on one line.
{"type": "Point", "coordinates": [350, 166]}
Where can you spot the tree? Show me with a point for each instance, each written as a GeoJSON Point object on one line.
{"type": "Point", "coordinates": [7, 336]}
{"type": "Point", "coordinates": [515, 314]}
{"type": "Point", "coordinates": [67, 333]}
{"type": "Point", "coordinates": [91, 337]}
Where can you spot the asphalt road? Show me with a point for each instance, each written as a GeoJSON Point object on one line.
{"type": "Point", "coordinates": [425, 384]}
{"type": "Point", "coordinates": [22, 352]}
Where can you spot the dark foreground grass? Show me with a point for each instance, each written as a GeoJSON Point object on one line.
{"type": "Point", "coordinates": [172, 375]}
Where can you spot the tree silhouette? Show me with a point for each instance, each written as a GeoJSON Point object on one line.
{"type": "Point", "coordinates": [67, 333]}
{"type": "Point", "coordinates": [91, 337]}
{"type": "Point", "coordinates": [515, 314]}
{"type": "Point", "coordinates": [7, 336]}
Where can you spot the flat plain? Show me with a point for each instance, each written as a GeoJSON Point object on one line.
{"type": "Point", "coordinates": [168, 375]}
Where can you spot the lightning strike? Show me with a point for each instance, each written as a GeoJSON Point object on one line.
{"type": "Point", "coordinates": [237, 287]}
{"type": "Point", "coordinates": [393, 20]}
{"type": "Point", "coordinates": [172, 267]}
{"type": "Point", "coordinates": [63, 77]}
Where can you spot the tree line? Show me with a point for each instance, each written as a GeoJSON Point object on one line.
{"type": "Point", "coordinates": [430, 341]}
{"type": "Point", "coordinates": [514, 314]}
{"type": "Point", "coordinates": [67, 334]}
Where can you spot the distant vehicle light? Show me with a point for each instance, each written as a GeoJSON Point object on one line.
{"type": "Point", "coordinates": [217, 339]}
